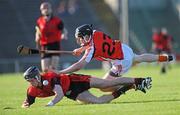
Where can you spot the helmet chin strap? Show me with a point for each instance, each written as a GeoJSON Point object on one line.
{"type": "Point", "coordinates": [38, 78]}
{"type": "Point", "coordinates": [87, 41]}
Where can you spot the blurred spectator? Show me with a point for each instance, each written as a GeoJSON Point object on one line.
{"type": "Point", "coordinates": [166, 41]}
{"type": "Point", "coordinates": [67, 6]}
{"type": "Point", "coordinates": [156, 45]}
{"type": "Point", "coordinates": [49, 33]}
{"type": "Point", "coordinates": [162, 43]}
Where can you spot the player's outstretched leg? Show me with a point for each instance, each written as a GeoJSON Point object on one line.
{"type": "Point", "coordinates": [122, 90]}
{"type": "Point", "coordinates": [152, 58]}
{"type": "Point", "coordinates": [140, 83]}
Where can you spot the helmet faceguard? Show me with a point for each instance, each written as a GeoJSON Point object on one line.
{"type": "Point", "coordinates": [83, 32]}
{"type": "Point", "coordinates": [32, 73]}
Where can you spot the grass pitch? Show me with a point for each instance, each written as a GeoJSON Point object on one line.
{"type": "Point", "coordinates": [162, 99]}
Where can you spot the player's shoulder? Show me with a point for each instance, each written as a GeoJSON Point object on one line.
{"type": "Point", "coordinates": [32, 91]}
{"type": "Point", "coordinates": [97, 32]}
{"type": "Point", "coordinates": [40, 18]}
{"type": "Point", "coordinates": [31, 88]}
{"type": "Point", "coordinates": [49, 74]}
{"type": "Point", "coordinates": [63, 75]}
{"type": "Point", "coordinates": [56, 18]}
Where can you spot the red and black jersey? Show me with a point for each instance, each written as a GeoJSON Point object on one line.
{"type": "Point", "coordinates": [157, 40]}
{"type": "Point", "coordinates": [105, 47]}
{"type": "Point", "coordinates": [72, 85]}
{"type": "Point", "coordinates": [162, 41]}
{"type": "Point", "coordinates": [47, 90]}
{"type": "Point", "coordinates": [50, 30]}
{"type": "Point", "coordinates": [166, 43]}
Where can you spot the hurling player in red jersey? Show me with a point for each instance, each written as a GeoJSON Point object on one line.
{"type": "Point", "coordinates": [156, 38]}
{"type": "Point", "coordinates": [162, 43]}
{"type": "Point", "coordinates": [49, 32]}
{"type": "Point", "coordinates": [76, 86]}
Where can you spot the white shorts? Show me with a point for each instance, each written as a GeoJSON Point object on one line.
{"type": "Point", "coordinates": [119, 67]}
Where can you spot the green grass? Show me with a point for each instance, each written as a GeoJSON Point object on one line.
{"type": "Point", "coordinates": [162, 99]}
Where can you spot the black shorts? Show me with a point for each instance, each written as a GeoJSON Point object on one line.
{"type": "Point", "coordinates": [78, 84]}
{"type": "Point", "coordinates": [51, 46]}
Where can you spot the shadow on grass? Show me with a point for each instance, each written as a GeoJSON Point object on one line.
{"type": "Point", "coordinates": [5, 108]}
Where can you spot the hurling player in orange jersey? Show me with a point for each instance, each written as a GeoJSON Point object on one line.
{"type": "Point", "coordinates": [76, 86]}
{"type": "Point", "coordinates": [96, 44]}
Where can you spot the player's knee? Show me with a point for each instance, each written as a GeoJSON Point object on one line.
{"type": "Point", "coordinates": [137, 59]}
{"type": "Point", "coordinates": [112, 74]}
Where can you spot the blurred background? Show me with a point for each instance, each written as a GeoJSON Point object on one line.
{"type": "Point", "coordinates": [131, 21]}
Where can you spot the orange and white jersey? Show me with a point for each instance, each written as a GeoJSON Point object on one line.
{"type": "Point", "coordinates": [102, 48]}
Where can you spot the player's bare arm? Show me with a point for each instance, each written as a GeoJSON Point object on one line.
{"type": "Point", "coordinates": [58, 95]}
{"type": "Point", "coordinates": [64, 35]}
{"type": "Point", "coordinates": [79, 51]}
{"type": "Point", "coordinates": [37, 36]}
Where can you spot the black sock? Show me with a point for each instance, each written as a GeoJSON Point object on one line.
{"type": "Point", "coordinates": [138, 80]}
{"type": "Point", "coordinates": [121, 91]}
